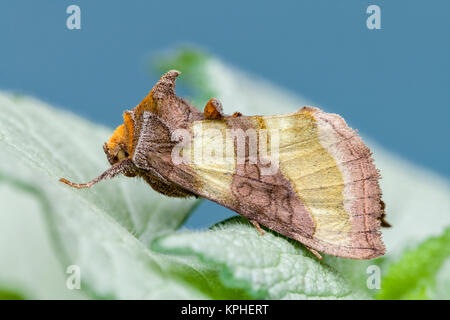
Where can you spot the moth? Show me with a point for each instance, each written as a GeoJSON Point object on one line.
{"type": "Point", "coordinates": [323, 190]}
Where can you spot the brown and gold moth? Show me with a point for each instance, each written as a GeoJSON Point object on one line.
{"type": "Point", "coordinates": [305, 175]}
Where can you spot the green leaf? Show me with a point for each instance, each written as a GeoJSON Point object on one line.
{"type": "Point", "coordinates": [104, 230]}
{"type": "Point", "coordinates": [414, 276]}
{"type": "Point", "coordinates": [29, 265]}
{"type": "Point", "coordinates": [10, 295]}
{"type": "Point", "coordinates": [269, 266]}
{"type": "Point", "coordinates": [408, 190]}
{"type": "Point", "coordinates": [441, 289]}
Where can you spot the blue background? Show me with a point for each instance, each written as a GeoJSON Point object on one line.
{"type": "Point", "coordinates": [320, 49]}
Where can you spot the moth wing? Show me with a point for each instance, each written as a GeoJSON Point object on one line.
{"type": "Point", "coordinates": [333, 174]}
{"type": "Point", "coordinates": [325, 193]}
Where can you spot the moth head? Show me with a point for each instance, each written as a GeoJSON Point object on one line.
{"type": "Point", "coordinates": [120, 144]}
{"type": "Point", "coordinates": [118, 150]}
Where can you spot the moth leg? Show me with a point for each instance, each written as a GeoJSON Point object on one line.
{"type": "Point", "coordinates": [258, 227]}
{"type": "Point", "coordinates": [213, 110]}
{"type": "Point", "coordinates": [314, 252]}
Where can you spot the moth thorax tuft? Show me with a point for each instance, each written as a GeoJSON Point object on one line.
{"type": "Point", "coordinates": [117, 138]}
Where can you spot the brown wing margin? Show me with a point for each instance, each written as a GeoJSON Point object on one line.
{"type": "Point", "coordinates": [362, 193]}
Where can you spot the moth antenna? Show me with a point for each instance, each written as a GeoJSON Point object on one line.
{"type": "Point", "coordinates": [166, 85]}
{"type": "Point", "coordinates": [113, 171]}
